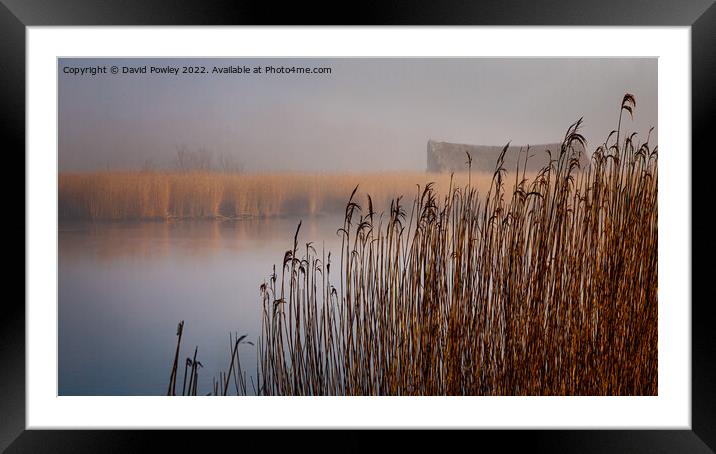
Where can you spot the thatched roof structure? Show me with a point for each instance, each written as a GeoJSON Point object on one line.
{"type": "Point", "coordinates": [451, 157]}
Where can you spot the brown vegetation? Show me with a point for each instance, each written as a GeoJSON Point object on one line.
{"type": "Point", "coordinates": [548, 289]}
{"type": "Point", "coordinates": [114, 195]}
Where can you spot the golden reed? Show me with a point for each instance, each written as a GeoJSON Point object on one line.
{"type": "Point", "coordinates": [135, 195]}
{"type": "Point", "coordinates": [547, 289]}
{"type": "Point", "coordinates": [539, 286]}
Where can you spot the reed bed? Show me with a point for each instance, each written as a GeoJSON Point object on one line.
{"type": "Point", "coordinates": [536, 286]}
{"type": "Point", "coordinates": [114, 195]}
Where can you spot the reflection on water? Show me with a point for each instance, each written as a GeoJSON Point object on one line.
{"type": "Point", "coordinates": [124, 286]}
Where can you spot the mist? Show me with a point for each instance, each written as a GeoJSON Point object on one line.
{"type": "Point", "coordinates": [368, 114]}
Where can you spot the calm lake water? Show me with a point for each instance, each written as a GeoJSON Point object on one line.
{"type": "Point", "coordinates": [124, 286]}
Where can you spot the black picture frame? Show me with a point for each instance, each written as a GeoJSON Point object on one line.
{"type": "Point", "coordinates": [700, 15]}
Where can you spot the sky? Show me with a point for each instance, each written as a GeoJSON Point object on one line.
{"type": "Point", "coordinates": [367, 114]}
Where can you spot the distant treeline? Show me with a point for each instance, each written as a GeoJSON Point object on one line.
{"type": "Point", "coordinates": [186, 159]}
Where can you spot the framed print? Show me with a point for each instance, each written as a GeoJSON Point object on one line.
{"type": "Point", "coordinates": [448, 226]}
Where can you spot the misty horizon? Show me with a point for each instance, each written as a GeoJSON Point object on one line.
{"type": "Point", "coordinates": [367, 114]}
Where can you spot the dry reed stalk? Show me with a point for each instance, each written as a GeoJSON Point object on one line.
{"type": "Point", "coordinates": [171, 390]}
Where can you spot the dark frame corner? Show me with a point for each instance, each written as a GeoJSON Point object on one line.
{"type": "Point", "coordinates": [16, 15]}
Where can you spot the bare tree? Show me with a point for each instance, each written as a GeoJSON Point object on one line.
{"type": "Point", "coordinates": [229, 163]}
{"type": "Point", "coordinates": [187, 160]}
{"type": "Point", "coordinates": [182, 157]}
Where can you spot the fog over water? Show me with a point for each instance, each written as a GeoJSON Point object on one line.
{"type": "Point", "coordinates": [367, 114]}
{"type": "Point", "coordinates": [124, 284]}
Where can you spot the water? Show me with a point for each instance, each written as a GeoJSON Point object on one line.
{"type": "Point", "coordinates": [124, 286]}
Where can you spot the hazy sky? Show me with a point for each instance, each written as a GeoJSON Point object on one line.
{"type": "Point", "coordinates": [367, 114]}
